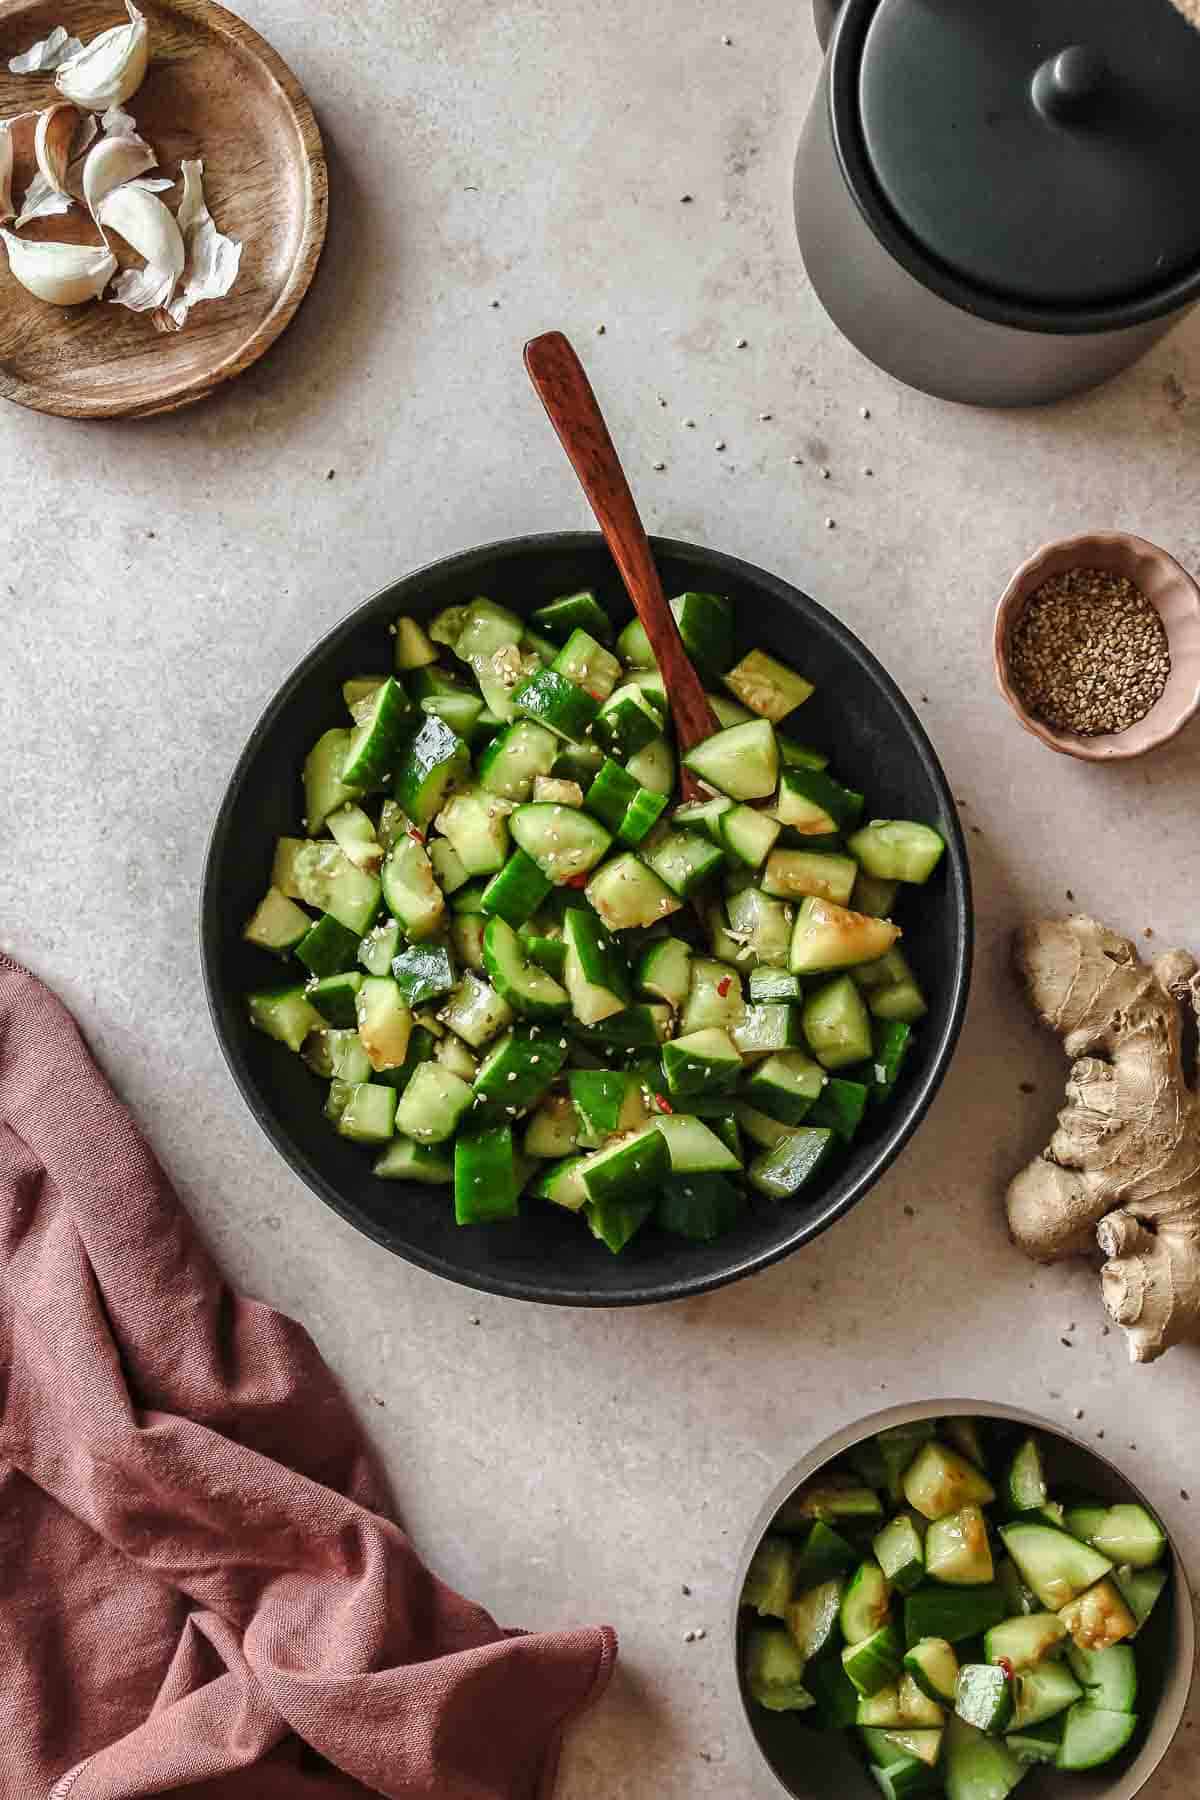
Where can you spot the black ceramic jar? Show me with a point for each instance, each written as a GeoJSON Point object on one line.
{"type": "Point", "coordinates": [1000, 204]}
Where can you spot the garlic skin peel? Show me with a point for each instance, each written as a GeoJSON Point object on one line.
{"type": "Point", "coordinates": [147, 227]}
{"type": "Point", "coordinates": [111, 68]}
{"type": "Point", "coordinates": [62, 274]}
{"type": "Point", "coordinates": [213, 259]}
{"type": "Point", "coordinates": [52, 140]}
{"type": "Point", "coordinates": [48, 53]}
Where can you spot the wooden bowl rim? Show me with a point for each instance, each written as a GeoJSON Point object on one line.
{"type": "Point", "coordinates": [186, 390]}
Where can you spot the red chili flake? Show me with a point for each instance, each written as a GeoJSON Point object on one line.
{"type": "Point", "coordinates": [1009, 1671]}
{"type": "Point", "coordinates": [724, 985]}
{"type": "Point", "coordinates": [595, 695]}
{"type": "Point", "coordinates": [576, 881]}
{"type": "Point", "coordinates": [418, 837]}
{"type": "Point", "coordinates": [663, 1104]}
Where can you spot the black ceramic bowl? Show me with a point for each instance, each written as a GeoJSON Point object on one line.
{"type": "Point", "coordinates": [879, 746]}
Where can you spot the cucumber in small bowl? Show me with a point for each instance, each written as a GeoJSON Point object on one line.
{"type": "Point", "coordinates": [936, 1678]}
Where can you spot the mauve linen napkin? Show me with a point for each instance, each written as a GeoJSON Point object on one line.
{"type": "Point", "coordinates": [200, 1589]}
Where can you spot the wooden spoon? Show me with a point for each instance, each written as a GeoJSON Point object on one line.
{"type": "Point", "coordinates": [566, 393]}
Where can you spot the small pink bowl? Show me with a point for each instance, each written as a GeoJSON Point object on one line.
{"type": "Point", "coordinates": [1174, 596]}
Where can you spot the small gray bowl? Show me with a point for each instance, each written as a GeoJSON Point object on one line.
{"type": "Point", "coordinates": [816, 1765]}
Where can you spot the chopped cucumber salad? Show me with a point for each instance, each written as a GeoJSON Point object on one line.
{"type": "Point", "coordinates": [929, 1596]}
{"type": "Point", "coordinates": [523, 970]}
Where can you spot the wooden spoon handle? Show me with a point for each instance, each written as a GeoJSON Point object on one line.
{"type": "Point", "coordinates": [566, 393]}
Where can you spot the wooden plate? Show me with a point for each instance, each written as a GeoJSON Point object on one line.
{"type": "Point", "coordinates": [214, 90]}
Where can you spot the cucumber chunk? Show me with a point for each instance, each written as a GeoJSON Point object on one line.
{"type": "Point", "coordinates": [277, 923]}
{"type": "Point", "coordinates": [768, 1584]}
{"type": "Point", "coordinates": [1055, 1565]}
{"type": "Point", "coordinates": [476, 824]}
{"type": "Point", "coordinates": [1092, 1736]}
{"type": "Point", "coordinates": [485, 1176]}
{"type": "Point", "coordinates": [955, 1614]}
{"type": "Point", "coordinates": [520, 983]}
{"type": "Point", "coordinates": [664, 972]}
{"type": "Point", "coordinates": [767, 687]}
{"type": "Point", "coordinates": [516, 893]}
{"type": "Point", "coordinates": [594, 974]}
{"type": "Point", "coordinates": [627, 894]}
{"type": "Point", "coordinates": [773, 1669]}
{"type": "Point", "coordinates": [1098, 1618]}
{"type": "Point", "coordinates": [1126, 1534]}
{"type": "Point", "coordinates": [693, 1148]}
{"type": "Point", "coordinates": [830, 1500]}
{"type": "Point", "coordinates": [586, 662]}
{"type": "Point", "coordinates": [1042, 1693]}
{"type": "Point", "coordinates": [940, 1481]}
{"type": "Point", "coordinates": [957, 1550]}
{"type": "Point", "coordinates": [978, 1767]}
{"type": "Point", "coordinates": [518, 1069]}
{"type": "Point", "coordinates": [432, 1104]}
{"type": "Point", "coordinates": [683, 860]}
{"type": "Point", "coordinates": [881, 1709]}
{"type": "Point", "coordinates": [925, 1745]}
{"type": "Point", "coordinates": [705, 624]}
{"type": "Point", "coordinates": [627, 722]}
{"type": "Point", "coordinates": [836, 1024]}
{"type": "Point", "coordinates": [828, 936]}
{"type": "Point", "coordinates": [326, 878]}
{"type": "Point", "coordinates": [701, 1207]}
{"type": "Point", "coordinates": [654, 767]}
{"type": "Point", "coordinates": [410, 889]}
{"type": "Point", "coordinates": [422, 972]}
{"type": "Point", "coordinates": [475, 1012]}
{"type": "Point", "coordinates": [823, 1555]}
{"type": "Point", "coordinates": [897, 850]}
{"type": "Point", "coordinates": [1140, 1589]}
{"type": "Point", "coordinates": [742, 762]}
{"type": "Point", "coordinates": [866, 1605]}
{"type": "Point", "coordinates": [284, 1014]}
{"type": "Point", "coordinates": [324, 788]}
{"type": "Point", "coordinates": [432, 760]}
{"type": "Point", "coordinates": [405, 1161]}
{"type": "Point", "coordinates": [1037, 1743]}
{"type": "Point", "coordinates": [933, 1667]}
{"type": "Point", "coordinates": [335, 997]}
{"type": "Point", "coordinates": [840, 1107]}
{"type": "Point", "coordinates": [701, 1063]}
{"type": "Point", "coordinates": [984, 1696]}
{"type": "Point", "coordinates": [1026, 1482]}
{"type": "Point", "coordinates": [811, 1619]}
{"type": "Point", "coordinates": [799, 874]}
{"type": "Point", "coordinates": [1022, 1642]}
{"type": "Point", "coordinates": [375, 742]}
{"type": "Point", "coordinates": [815, 805]}
{"type": "Point", "coordinates": [781, 1172]}
{"type": "Point", "coordinates": [564, 842]}
{"type": "Point", "coordinates": [413, 647]}
{"type": "Point", "coordinates": [785, 1086]}
{"type": "Point", "coordinates": [875, 1662]}
{"type": "Point", "coordinates": [581, 611]}
{"type": "Point", "coordinates": [746, 836]}
{"type": "Point", "coordinates": [899, 1553]}
{"type": "Point", "coordinates": [515, 758]}
{"type": "Point", "coordinates": [365, 1113]}
{"type": "Point", "coordinates": [327, 948]}
{"type": "Point", "coordinates": [1109, 1677]}
{"type": "Point", "coordinates": [1020, 1601]}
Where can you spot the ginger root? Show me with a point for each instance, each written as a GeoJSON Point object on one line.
{"type": "Point", "coordinates": [1123, 1168]}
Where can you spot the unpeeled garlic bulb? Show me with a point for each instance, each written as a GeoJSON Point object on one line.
{"type": "Point", "coordinates": [109, 69]}
{"type": "Point", "coordinates": [147, 227]}
{"type": "Point", "coordinates": [62, 274]}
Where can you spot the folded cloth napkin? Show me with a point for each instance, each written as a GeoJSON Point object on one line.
{"type": "Point", "coordinates": [201, 1591]}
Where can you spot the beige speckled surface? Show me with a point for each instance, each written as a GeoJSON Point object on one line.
{"type": "Point", "coordinates": [161, 577]}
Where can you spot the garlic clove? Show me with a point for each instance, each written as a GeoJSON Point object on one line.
{"type": "Point", "coordinates": [111, 163]}
{"type": "Point", "coordinates": [52, 140]}
{"type": "Point", "coordinates": [42, 199]}
{"type": "Point", "coordinates": [147, 227]}
{"type": "Point", "coordinates": [62, 274]}
{"type": "Point", "coordinates": [111, 68]}
{"type": "Point", "coordinates": [48, 53]}
{"type": "Point", "coordinates": [213, 259]}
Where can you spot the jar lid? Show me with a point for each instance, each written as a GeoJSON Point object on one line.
{"type": "Point", "coordinates": [1043, 150]}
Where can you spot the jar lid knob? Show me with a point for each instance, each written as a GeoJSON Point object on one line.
{"type": "Point", "coordinates": [1067, 84]}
